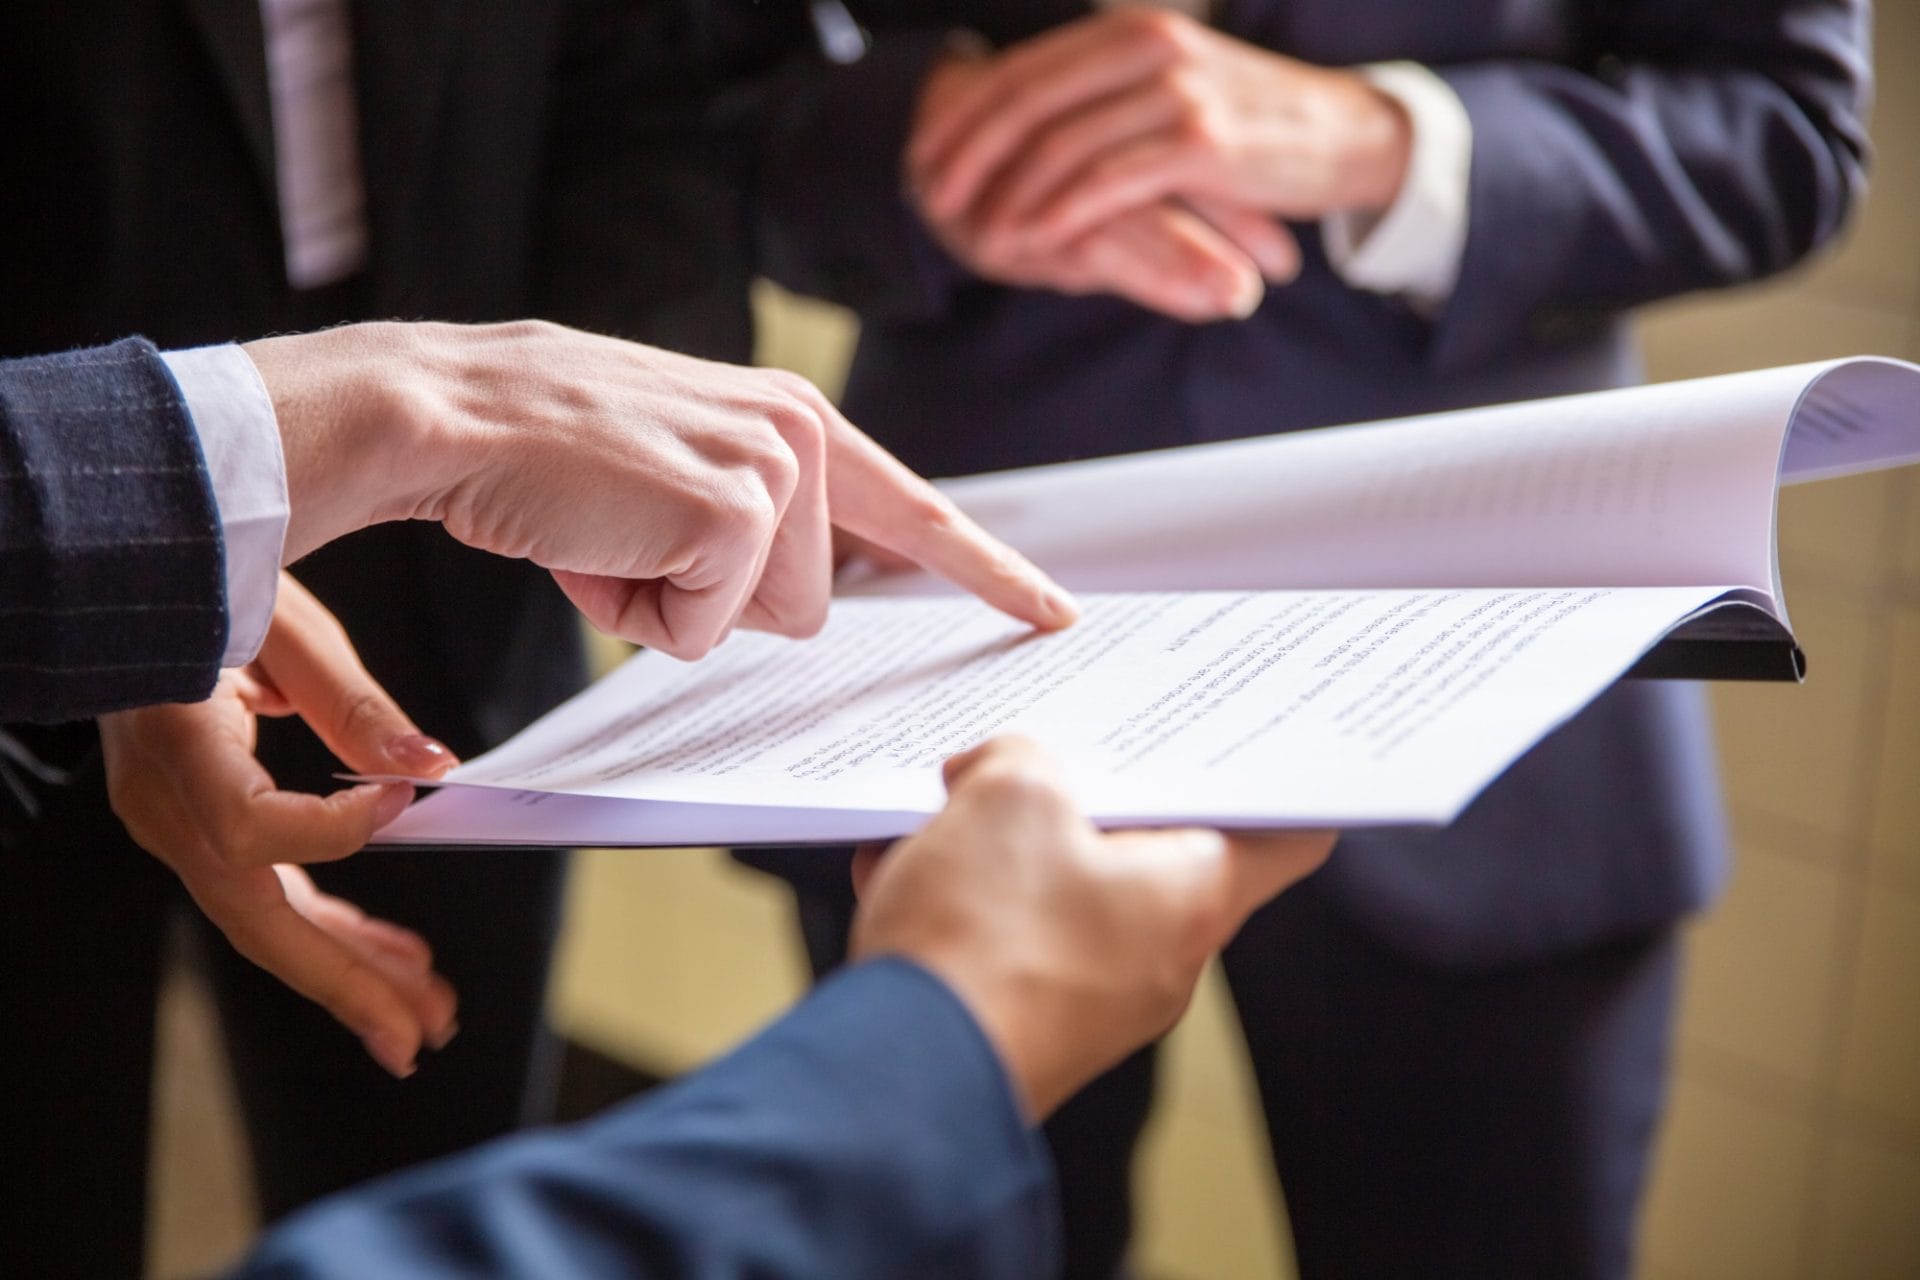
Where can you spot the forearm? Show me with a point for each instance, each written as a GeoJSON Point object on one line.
{"type": "Point", "coordinates": [370, 418]}
{"type": "Point", "coordinates": [868, 1133]}
{"type": "Point", "coordinates": [1723, 148]}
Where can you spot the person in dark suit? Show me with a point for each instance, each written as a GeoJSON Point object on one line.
{"type": "Point", "coordinates": [1461, 1036]}
{"type": "Point", "coordinates": [501, 159]}
{"type": "Point", "coordinates": [883, 1127]}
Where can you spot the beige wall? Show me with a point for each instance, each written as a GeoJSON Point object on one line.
{"type": "Point", "coordinates": [1792, 1147]}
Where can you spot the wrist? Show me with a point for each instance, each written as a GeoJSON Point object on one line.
{"type": "Point", "coordinates": [1379, 149]}
{"type": "Point", "coordinates": [1007, 1007]}
{"type": "Point", "coordinates": [353, 428]}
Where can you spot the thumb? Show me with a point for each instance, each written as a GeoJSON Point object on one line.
{"type": "Point", "coordinates": [1259, 866]}
{"type": "Point", "coordinates": [1228, 875]}
{"type": "Point", "coordinates": [866, 861]}
{"type": "Point", "coordinates": [1261, 237]}
{"type": "Point", "coordinates": [309, 659]}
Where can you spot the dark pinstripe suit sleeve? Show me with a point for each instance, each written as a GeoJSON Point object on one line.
{"type": "Point", "coordinates": [112, 582]}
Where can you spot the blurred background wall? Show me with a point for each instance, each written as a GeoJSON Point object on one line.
{"type": "Point", "coordinates": [1792, 1144]}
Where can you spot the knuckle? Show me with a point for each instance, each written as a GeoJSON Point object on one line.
{"type": "Point", "coordinates": [768, 442]}
{"type": "Point", "coordinates": [790, 384]}
{"type": "Point", "coordinates": [729, 509]}
{"type": "Point", "coordinates": [795, 415]}
{"type": "Point", "coordinates": [531, 329]}
{"type": "Point", "coordinates": [807, 620]}
{"type": "Point", "coordinates": [932, 517]}
{"type": "Point", "coordinates": [1006, 784]}
{"type": "Point", "coordinates": [755, 500]}
{"type": "Point", "coordinates": [359, 711]}
{"type": "Point", "coordinates": [232, 840]}
{"type": "Point", "coordinates": [1184, 87]}
{"type": "Point", "coordinates": [1158, 31]}
{"type": "Point", "coordinates": [1201, 127]}
{"type": "Point", "coordinates": [778, 464]}
{"type": "Point", "coordinates": [741, 523]}
{"type": "Point", "coordinates": [806, 433]}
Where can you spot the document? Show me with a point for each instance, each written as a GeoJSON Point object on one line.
{"type": "Point", "coordinates": [1352, 627]}
{"type": "Point", "coordinates": [1666, 485]}
{"type": "Point", "coordinates": [1262, 709]}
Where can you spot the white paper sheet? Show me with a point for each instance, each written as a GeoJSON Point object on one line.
{"type": "Point", "coordinates": [1665, 485]}
{"type": "Point", "coordinates": [1449, 589]}
{"type": "Point", "coordinates": [1267, 709]}
{"type": "Point", "coordinates": [1856, 415]}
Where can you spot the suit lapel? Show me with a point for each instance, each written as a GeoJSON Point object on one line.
{"type": "Point", "coordinates": [237, 45]}
{"type": "Point", "coordinates": [401, 51]}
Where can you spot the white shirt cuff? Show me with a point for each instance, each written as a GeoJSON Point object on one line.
{"type": "Point", "coordinates": [1414, 248]}
{"type": "Point", "coordinates": [240, 439]}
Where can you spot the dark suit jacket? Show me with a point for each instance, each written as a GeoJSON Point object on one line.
{"type": "Point", "coordinates": [1624, 150]}
{"type": "Point", "coordinates": [870, 1133]}
{"type": "Point", "coordinates": [522, 157]}
{"type": "Point", "coordinates": [112, 586]}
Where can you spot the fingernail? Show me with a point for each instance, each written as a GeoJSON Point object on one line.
{"type": "Point", "coordinates": [398, 795]}
{"type": "Point", "coordinates": [1276, 265]}
{"type": "Point", "coordinates": [416, 753]}
{"type": "Point", "coordinates": [394, 1052]}
{"type": "Point", "coordinates": [1062, 609]}
{"type": "Point", "coordinates": [1246, 297]}
{"type": "Point", "coordinates": [445, 1037]}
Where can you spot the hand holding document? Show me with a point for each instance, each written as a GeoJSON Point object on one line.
{"type": "Point", "coordinates": [1094, 984]}
{"type": "Point", "coordinates": [1358, 626]}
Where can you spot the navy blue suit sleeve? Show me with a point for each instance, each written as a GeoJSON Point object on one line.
{"type": "Point", "coordinates": [1714, 142]}
{"type": "Point", "coordinates": [112, 579]}
{"type": "Point", "coordinates": [871, 1132]}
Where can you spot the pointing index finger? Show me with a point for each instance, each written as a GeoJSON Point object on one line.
{"type": "Point", "coordinates": [875, 497]}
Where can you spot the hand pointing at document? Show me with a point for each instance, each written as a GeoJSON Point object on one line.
{"type": "Point", "coordinates": [673, 498]}
{"type": "Point", "coordinates": [1071, 946]}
